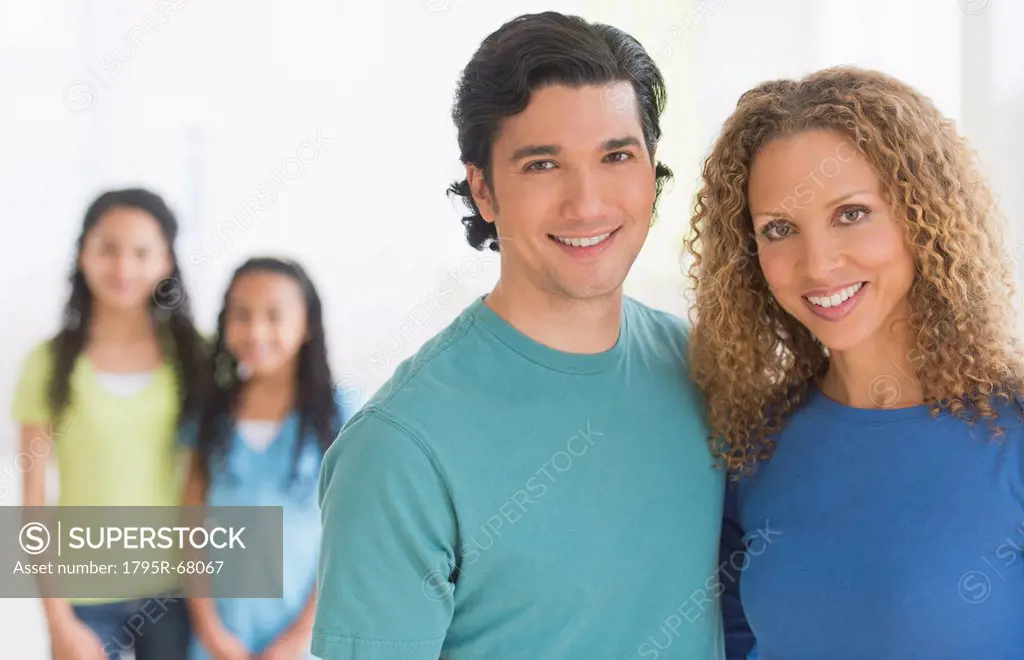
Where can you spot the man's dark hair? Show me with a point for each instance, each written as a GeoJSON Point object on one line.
{"type": "Point", "coordinates": [536, 50]}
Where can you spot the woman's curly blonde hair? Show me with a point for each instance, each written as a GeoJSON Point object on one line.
{"type": "Point", "coordinates": [752, 360]}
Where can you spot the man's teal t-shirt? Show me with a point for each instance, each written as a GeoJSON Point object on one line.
{"type": "Point", "coordinates": [498, 499]}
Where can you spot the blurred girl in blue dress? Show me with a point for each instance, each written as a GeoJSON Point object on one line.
{"type": "Point", "coordinates": [259, 442]}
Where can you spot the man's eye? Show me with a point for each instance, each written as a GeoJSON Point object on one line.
{"type": "Point", "coordinates": [539, 166]}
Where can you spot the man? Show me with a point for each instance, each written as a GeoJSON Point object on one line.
{"type": "Point", "coordinates": [535, 482]}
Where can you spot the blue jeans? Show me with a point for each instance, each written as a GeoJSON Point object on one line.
{"type": "Point", "coordinates": [156, 628]}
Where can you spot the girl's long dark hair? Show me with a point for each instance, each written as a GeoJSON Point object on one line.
{"type": "Point", "coordinates": [316, 403]}
{"type": "Point", "coordinates": [169, 307]}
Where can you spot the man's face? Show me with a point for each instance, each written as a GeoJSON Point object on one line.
{"type": "Point", "coordinates": [572, 192]}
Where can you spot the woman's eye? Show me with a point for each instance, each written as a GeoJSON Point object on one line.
{"type": "Point", "coordinates": [776, 229]}
{"type": "Point", "coordinates": [852, 215]}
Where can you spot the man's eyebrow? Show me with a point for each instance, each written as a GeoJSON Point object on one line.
{"type": "Point", "coordinates": [531, 150]}
{"type": "Point", "coordinates": [620, 142]}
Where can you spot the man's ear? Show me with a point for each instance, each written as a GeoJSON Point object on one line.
{"type": "Point", "coordinates": [481, 192]}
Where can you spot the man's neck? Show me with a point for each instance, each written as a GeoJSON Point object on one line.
{"type": "Point", "coordinates": [564, 324]}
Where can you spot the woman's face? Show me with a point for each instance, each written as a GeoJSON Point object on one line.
{"type": "Point", "coordinates": [832, 253]}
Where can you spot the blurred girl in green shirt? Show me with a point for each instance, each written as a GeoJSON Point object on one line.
{"type": "Point", "coordinates": [104, 398]}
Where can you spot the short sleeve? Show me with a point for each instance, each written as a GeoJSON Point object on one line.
{"type": "Point", "coordinates": [387, 547]}
{"type": "Point", "coordinates": [31, 405]}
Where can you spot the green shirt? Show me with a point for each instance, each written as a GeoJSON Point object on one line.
{"type": "Point", "coordinates": [575, 495]}
{"type": "Point", "coordinates": [110, 450]}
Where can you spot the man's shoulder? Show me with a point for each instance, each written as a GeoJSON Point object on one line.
{"type": "Point", "coordinates": [430, 379]}
{"type": "Point", "coordinates": [656, 328]}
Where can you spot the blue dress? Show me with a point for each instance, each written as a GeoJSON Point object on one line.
{"type": "Point", "coordinates": [264, 477]}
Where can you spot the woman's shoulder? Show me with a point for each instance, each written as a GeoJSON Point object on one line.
{"type": "Point", "coordinates": [1010, 416]}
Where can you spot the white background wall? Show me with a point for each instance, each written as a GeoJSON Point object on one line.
{"type": "Point", "coordinates": [220, 93]}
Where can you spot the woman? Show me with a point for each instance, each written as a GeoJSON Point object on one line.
{"type": "Point", "coordinates": [109, 389]}
{"type": "Point", "coordinates": [855, 344]}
